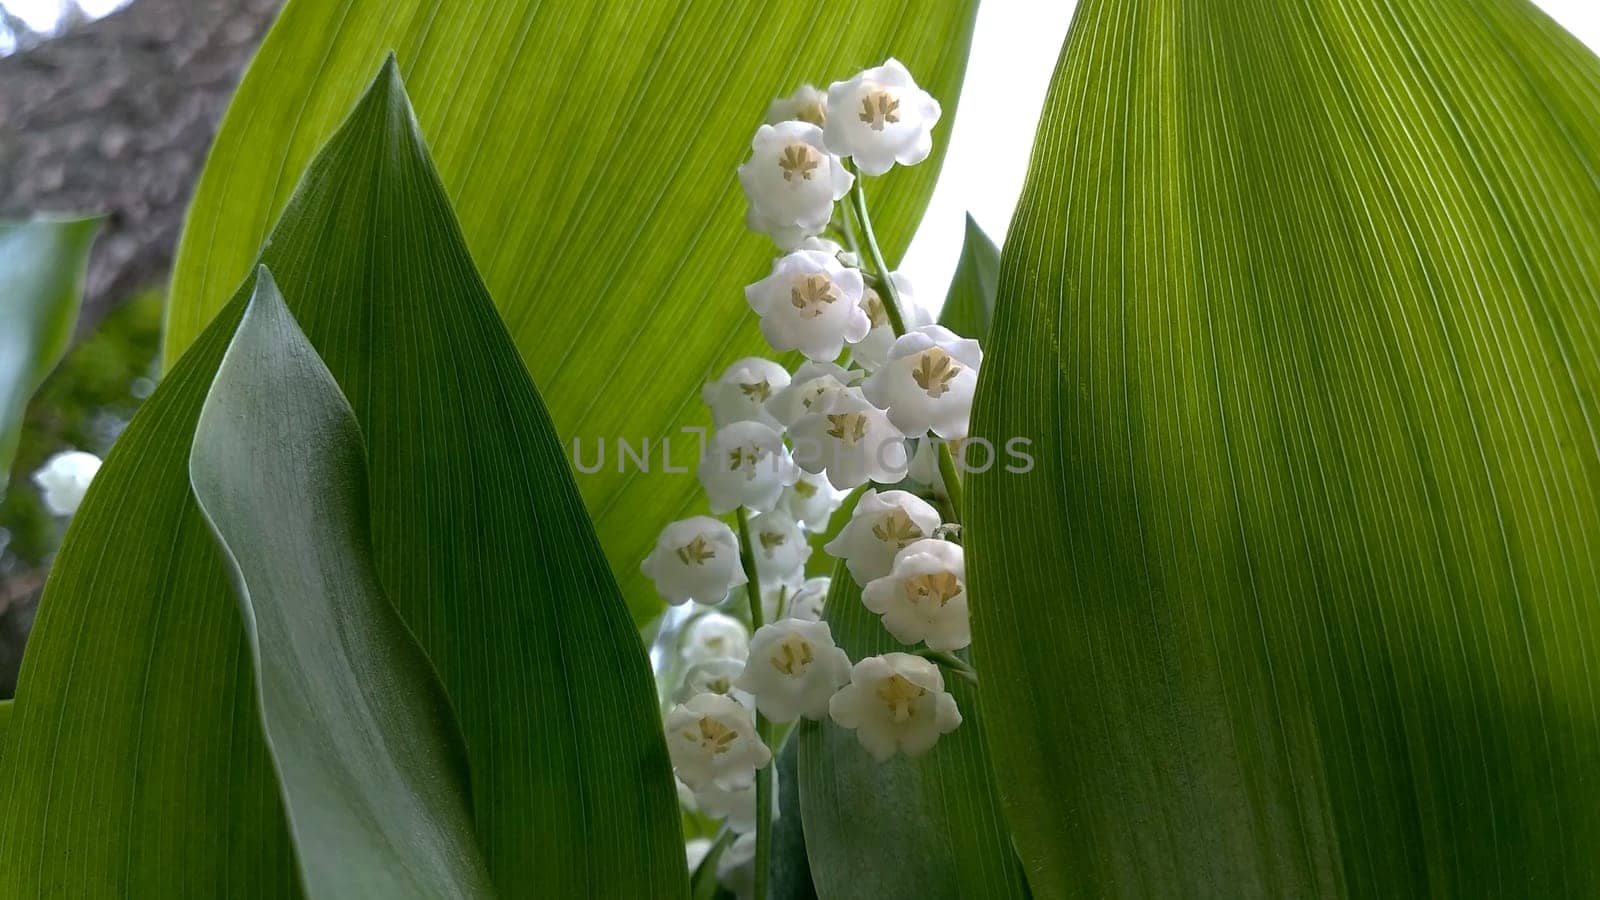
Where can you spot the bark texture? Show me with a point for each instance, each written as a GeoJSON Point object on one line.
{"type": "Point", "coordinates": [115, 116]}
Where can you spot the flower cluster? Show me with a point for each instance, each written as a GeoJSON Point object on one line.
{"type": "Point", "coordinates": [880, 386]}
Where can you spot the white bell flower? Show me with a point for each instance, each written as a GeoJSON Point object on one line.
{"type": "Point", "coordinates": [927, 383]}
{"type": "Point", "coordinates": [695, 559]}
{"type": "Point", "coordinates": [879, 118]}
{"type": "Point", "coordinates": [811, 382]}
{"type": "Point", "coordinates": [882, 524]}
{"type": "Point", "coordinates": [793, 668]}
{"type": "Point", "coordinates": [736, 867]}
{"type": "Point", "coordinates": [712, 739]}
{"type": "Point", "coordinates": [873, 350]}
{"type": "Point", "coordinates": [895, 703]}
{"type": "Point", "coordinates": [833, 249]}
{"type": "Point", "coordinates": [738, 807]}
{"type": "Point", "coordinates": [925, 463]}
{"type": "Point", "coordinates": [924, 596]}
{"type": "Point", "coordinates": [806, 104]}
{"type": "Point", "coordinates": [713, 676]}
{"type": "Point", "coordinates": [746, 464]}
{"type": "Point", "coordinates": [695, 851]}
{"type": "Point", "coordinates": [791, 182]}
{"type": "Point", "coordinates": [810, 501]}
{"type": "Point", "coordinates": [810, 303]}
{"type": "Point", "coordinates": [741, 392]}
{"type": "Point", "coordinates": [64, 479]}
{"type": "Point", "coordinates": [715, 636]}
{"type": "Point", "coordinates": [685, 796]}
{"type": "Point", "coordinates": [850, 439]}
{"type": "Point", "coordinates": [780, 547]}
{"type": "Point", "coordinates": [807, 603]}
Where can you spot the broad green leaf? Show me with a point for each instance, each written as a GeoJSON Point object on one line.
{"type": "Point", "coordinates": [41, 284]}
{"type": "Point", "coordinates": [135, 765]}
{"type": "Point", "coordinates": [922, 828]}
{"type": "Point", "coordinates": [969, 305]}
{"type": "Point", "coordinates": [1299, 310]}
{"type": "Point", "coordinates": [5, 719]}
{"type": "Point", "coordinates": [791, 868]}
{"type": "Point", "coordinates": [589, 148]}
{"type": "Point", "coordinates": [374, 776]}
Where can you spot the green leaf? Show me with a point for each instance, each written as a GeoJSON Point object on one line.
{"type": "Point", "coordinates": [969, 305]}
{"type": "Point", "coordinates": [138, 681]}
{"type": "Point", "coordinates": [922, 828]}
{"type": "Point", "coordinates": [1299, 310]}
{"type": "Point", "coordinates": [790, 867]}
{"type": "Point", "coordinates": [42, 265]}
{"type": "Point", "coordinates": [374, 775]}
{"type": "Point", "coordinates": [590, 150]}
{"type": "Point", "coordinates": [5, 720]}
{"type": "Point", "coordinates": [704, 885]}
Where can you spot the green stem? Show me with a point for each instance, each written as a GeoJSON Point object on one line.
{"type": "Point", "coordinates": [763, 861]}
{"type": "Point", "coordinates": [954, 663]}
{"type": "Point", "coordinates": [858, 226]}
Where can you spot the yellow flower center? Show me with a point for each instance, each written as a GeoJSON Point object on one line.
{"type": "Point", "coordinates": [746, 458]}
{"type": "Point", "coordinates": [873, 304]}
{"type": "Point", "coordinates": [759, 391]}
{"type": "Point", "coordinates": [896, 527]}
{"type": "Point", "coordinates": [900, 694]}
{"type": "Point", "coordinates": [799, 162]}
{"type": "Point", "coordinates": [712, 736]}
{"type": "Point", "coordinates": [847, 427]}
{"type": "Point", "coordinates": [939, 586]}
{"type": "Point", "coordinates": [793, 655]}
{"type": "Point", "coordinates": [879, 108]}
{"type": "Point", "coordinates": [810, 294]}
{"type": "Point", "coordinates": [696, 552]}
{"type": "Point", "coordinates": [934, 372]}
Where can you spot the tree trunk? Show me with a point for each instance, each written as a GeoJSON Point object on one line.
{"type": "Point", "coordinates": [115, 116]}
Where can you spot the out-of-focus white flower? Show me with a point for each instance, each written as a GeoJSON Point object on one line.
{"type": "Point", "coordinates": [695, 851]}
{"type": "Point", "coordinates": [810, 303]}
{"type": "Point", "coordinates": [685, 796]}
{"type": "Point", "coordinates": [895, 703]}
{"type": "Point", "coordinates": [713, 676]}
{"type": "Point", "coordinates": [738, 807]}
{"type": "Point", "coordinates": [736, 867]}
{"type": "Point", "coordinates": [924, 596]}
{"type": "Point", "coordinates": [793, 668]}
{"type": "Point", "coordinates": [781, 549]}
{"type": "Point", "coordinates": [881, 525]}
{"type": "Point", "coordinates": [927, 383]}
{"type": "Point", "coordinates": [879, 118]}
{"type": "Point", "coordinates": [715, 636]}
{"type": "Point", "coordinates": [791, 182]}
{"type": "Point", "coordinates": [806, 104]}
{"type": "Point", "coordinates": [811, 501]}
{"type": "Point", "coordinates": [746, 464]}
{"type": "Point", "coordinates": [712, 739]}
{"type": "Point", "coordinates": [833, 249]}
{"type": "Point", "coordinates": [695, 559]}
{"type": "Point", "coordinates": [64, 479]}
{"type": "Point", "coordinates": [850, 439]}
{"type": "Point", "coordinates": [741, 392]}
{"type": "Point", "coordinates": [807, 603]}
{"type": "Point", "coordinates": [925, 463]}
{"type": "Point", "coordinates": [812, 381]}
{"type": "Point", "coordinates": [873, 350]}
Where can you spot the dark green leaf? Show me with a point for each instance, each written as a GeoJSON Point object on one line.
{"type": "Point", "coordinates": [791, 869]}
{"type": "Point", "coordinates": [1299, 310]}
{"type": "Point", "coordinates": [590, 149]}
{"type": "Point", "coordinates": [137, 680]}
{"type": "Point", "coordinates": [41, 284]}
{"type": "Point", "coordinates": [969, 306]}
{"type": "Point", "coordinates": [374, 776]}
{"type": "Point", "coordinates": [5, 719]}
{"type": "Point", "coordinates": [923, 828]}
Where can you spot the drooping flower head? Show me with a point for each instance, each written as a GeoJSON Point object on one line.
{"type": "Point", "coordinates": [737, 808]}
{"type": "Point", "coordinates": [64, 479]}
{"type": "Point", "coordinates": [880, 117]}
{"type": "Point", "coordinates": [695, 559]}
{"type": "Point", "coordinates": [851, 440]}
{"type": "Point", "coordinates": [712, 739]}
{"type": "Point", "coordinates": [806, 104]}
{"type": "Point", "coordinates": [928, 382]}
{"type": "Point", "coordinates": [882, 524]}
{"type": "Point", "coordinates": [811, 382]}
{"type": "Point", "coordinates": [810, 501]}
{"type": "Point", "coordinates": [793, 668]}
{"type": "Point", "coordinates": [895, 703]}
{"type": "Point", "coordinates": [810, 303]}
{"type": "Point", "coordinates": [746, 464]}
{"type": "Point", "coordinates": [780, 547]}
{"type": "Point", "coordinates": [713, 676]}
{"type": "Point", "coordinates": [873, 350]}
{"type": "Point", "coordinates": [924, 596]}
{"type": "Point", "coordinates": [807, 603]}
{"type": "Point", "coordinates": [714, 635]}
{"type": "Point", "coordinates": [741, 392]}
{"type": "Point", "coordinates": [791, 182]}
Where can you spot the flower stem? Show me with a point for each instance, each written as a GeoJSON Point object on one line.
{"type": "Point", "coordinates": [858, 226]}
{"type": "Point", "coordinates": [763, 861]}
{"type": "Point", "coordinates": [954, 663]}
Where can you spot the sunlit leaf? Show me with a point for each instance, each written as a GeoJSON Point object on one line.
{"type": "Point", "coordinates": [969, 305]}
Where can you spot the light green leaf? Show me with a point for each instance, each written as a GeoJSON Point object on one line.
{"type": "Point", "coordinates": [590, 149]}
{"type": "Point", "coordinates": [41, 284]}
{"type": "Point", "coordinates": [1299, 310]}
{"type": "Point", "coordinates": [923, 828]}
{"type": "Point", "coordinates": [374, 775]}
{"type": "Point", "coordinates": [969, 305]}
{"type": "Point", "coordinates": [135, 766]}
